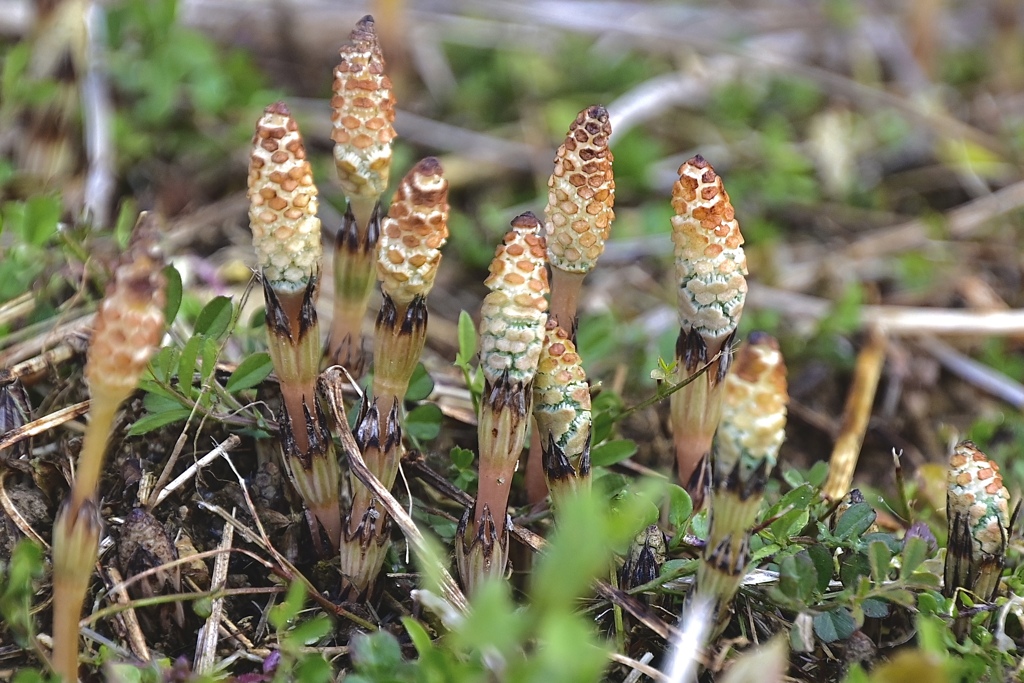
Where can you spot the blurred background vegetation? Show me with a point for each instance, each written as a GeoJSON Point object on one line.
{"type": "Point", "coordinates": [874, 153]}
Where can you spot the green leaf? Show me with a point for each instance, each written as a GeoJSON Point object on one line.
{"type": "Point", "coordinates": [875, 608]}
{"type": "Point", "coordinates": [793, 477]}
{"type": "Point", "coordinates": [127, 216]}
{"type": "Point", "coordinates": [924, 579]}
{"type": "Point", "coordinates": [823, 565]}
{"type": "Point", "coordinates": [418, 635]}
{"type": "Point", "coordinates": [203, 607]}
{"type": "Point", "coordinates": [146, 424]}
{"type": "Point", "coordinates": [215, 318]}
{"type": "Point", "coordinates": [467, 337]}
{"type": "Point", "coordinates": [928, 604]}
{"type": "Point", "coordinates": [576, 551]}
{"type": "Point", "coordinates": [605, 408]}
{"type": "Point", "coordinates": [423, 422]}
{"type": "Point", "coordinates": [835, 625]}
{"type": "Point", "coordinates": [164, 364]}
{"type": "Point", "coordinates": [931, 632]}
{"type": "Point", "coordinates": [856, 674]}
{"type": "Point", "coordinates": [210, 351]}
{"type": "Point", "coordinates": [462, 457]}
{"type": "Point", "coordinates": [187, 362]}
{"type": "Point", "coordinates": [611, 452]}
{"type": "Point", "coordinates": [817, 474]}
{"type": "Point", "coordinates": [799, 498]}
{"type": "Point", "coordinates": [914, 552]}
{"type": "Point", "coordinates": [159, 402]}
{"type": "Point", "coordinates": [855, 521]}
{"type": "Point", "coordinates": [173, 296]}
{"type": "Point", "coordinates": [17, 577]}
{"type": "Point", "coordinates": [42, 214]}
{"type": "Point", "coordinates": [313, 668]}
{"type": "Point", "coordinates": [376, 652]}
{"type": "Point", "coordinates": [123, 672]}
{"type": "Point", "coordinates": [680, 506]}
{"type": "Point", "coordinates": [789, 525]}
{"type": "Point", "coordinates": [250, 372]}
{"type": "Point", "coordinates": [310, 631]}
{"type": "Point", "coordinates": [798, 576]}
{"type": "Point", "coordinates": [420, 385]}
{"type": "Point", "coordinates": [903, 597]}
{"type": "Point", "coordinates": [285, 612]}
{"type": "Point", "coordinates": [879, 556]}
{"type": "Point", "coordinates": [852, 566]}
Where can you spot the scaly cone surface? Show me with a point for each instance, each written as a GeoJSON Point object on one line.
{"type": "Point", "coordinates": [129, 325]}
{"type": "Point", "coordinates": [578, 219]}
{"type": "Point", "coordinates": [978, 516]}
{"type": "Point", "coordinates": [412, 235]}
{"type": "Point", "coordinates": [580, 209]}
{"type": "Point", "coordinates": [286, 237]}
{"type": "Point", "coordinates": [561, 409]}
{"type": "Point", "coordinates": [513, 317]}
{"type": "Point", "coordinates": [363, 114]}
{"type": "Point", "coordinates": [710, 270]}
{"type": "Point", "coordinates": [746, 449]}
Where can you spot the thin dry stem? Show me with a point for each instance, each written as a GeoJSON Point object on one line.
{"type": "Point", "coordinates": [859, 401]}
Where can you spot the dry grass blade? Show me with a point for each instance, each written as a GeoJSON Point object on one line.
{"type": "Point", "coordinates": [206, 645]}
{"type": "Point", "coordinates": [12, 512]}
{"type": "Point", "coordinates": [225, 446]}
{"type": "Point", "coordinates": [17, 307]}
{"type": "Point", "coordinates": [961, 222]}
{"type": "Point", "coordinates": [977, 374]}
{"type": "Point", "coordinates": [43, 424]}
{"type": "Point", "coordinates": [36, 344]}
{"type": "Point", "coordinates": [638, 667]}
{"type": "Point", "coordinates": [859, 400]}
{"type": "Point", "coordinates": [136, 640]}
{"type": "Point", "coordinates": [894, 321]}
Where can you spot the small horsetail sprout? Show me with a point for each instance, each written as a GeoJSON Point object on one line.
{"type": "Point", "coordinates": [579, 212]}
{"type": "Point", "coordinates": [647, 553]}
{"type": "Point", "coordinates": [354, 256]}
{"type": "Point", "coordinates": [412, 235]}
{"type": "Point", "coordinates": [578, 218]}
{"type": "Point", "coordinates": [129, 324]}
{"type": "Point", "coordinates": [512, 320]}
{"type": "Point", "coordinates": [746, 448]}
{"type": "Point", "coordinates": [710, 269]}
{"type": "Point", "coordinates": [286, 237]}
{"type": "Point", "coordinates": [561, 408]}
{"type": "Point", "coordinates": [313, 470]}
{"type": "Point", "coordinates": [978, 518]}
{"type": "Point", "coordinates": [366, 534]}
{"type": "Point", "coordinates": [410, 251]}
{"type": "Point", "coordinates": [363, 114]}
